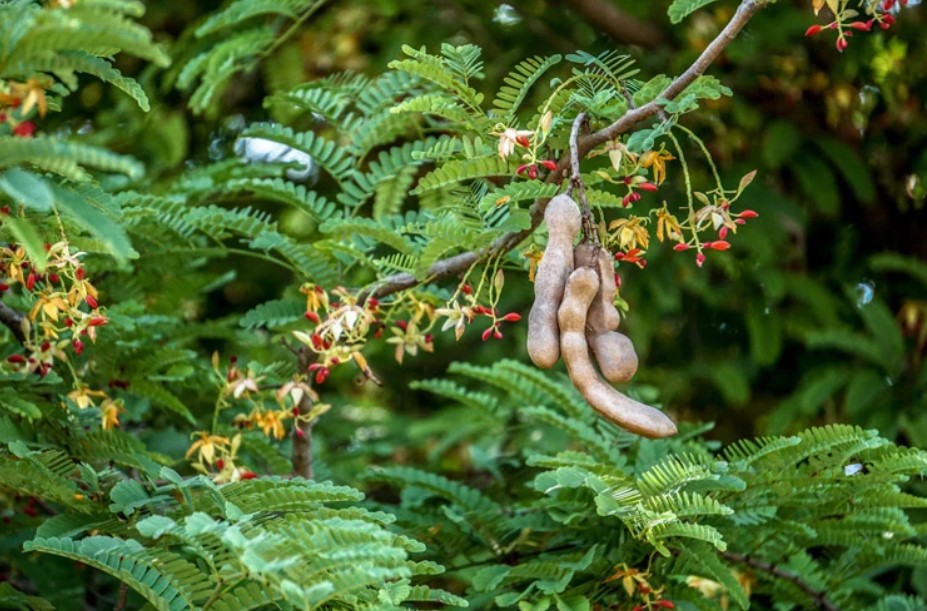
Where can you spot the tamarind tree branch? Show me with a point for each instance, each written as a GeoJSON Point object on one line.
{"type": "Point", "coordinates": [461, 262]}
{"type": "Point", "coordinates": [818, 596]}
{"type": "Point", "coordinates": [605, 16]}
{"type": "Point", "coordinates": [12, 320]}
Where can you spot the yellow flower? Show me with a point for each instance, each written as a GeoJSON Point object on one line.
{"type": "Point", "coordinates": [409, 339]}
{"type": "Point", "coordinates": [657, 160]}
{"type": "Point", "coordinates": [207, 445]}
{"type": "Point", "coordinates": [82, 396]}
{"type": "Point", "coordinates": [271, 422]}
{"type": "Point", "coordinates": [668, 226]}
{"type": "Point", "coordinates": [30, 94]}
{"type": "Point", "coordinates": [630, 233]}
{"type": "Point", "coordinates": [534, 256]}
{"type": "Point", "coordinates": [457, 318]}
{"type": "Point", "coordinates": [49, 305]}
{"type": "Point", "coordinates": [110, 411]}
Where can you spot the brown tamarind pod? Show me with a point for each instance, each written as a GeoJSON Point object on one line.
{"type": "Point", "coordinates": [603, 315]}
{"type": "Point", "coordinates": [580, 291]}
{"type": "Point", "coordinates": [615, 354]}
{"type": "Point", "coordinates": [613, 351]}
{"type": "Point", "coordinates": [563, 222]}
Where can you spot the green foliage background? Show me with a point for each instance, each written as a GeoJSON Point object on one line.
{"type": "Point", "coordinates": [493, 471]}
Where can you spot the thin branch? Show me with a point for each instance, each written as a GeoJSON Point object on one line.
{"type": "Point", "coordinates": [611, 20]}
{"type": "Point", "coordinates": [123, 597]}
{"type": "Point", "coordinates": [461, 262]}
{"type": "Point", "coordinates": [13, 320]}
{"type": "Point", "coordinates": [818, 596]}
{"type": "Point", "coordinates": [301, 458]}
{"type": "Point", "coordinates": [576, 179]}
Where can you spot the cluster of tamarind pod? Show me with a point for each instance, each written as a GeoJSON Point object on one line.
{"type": "Point", "coordinates": [573, 315]}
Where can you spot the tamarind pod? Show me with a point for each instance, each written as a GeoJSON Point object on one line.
{"type": "Point", "coordinates": [581, 288]}
{"type": "Point", "coordinates": [563, 222]}
{"type": "Point", "coordinates": [615, 354]}
{"type": "Point", "coordinates": [613, 351]}
{"type": "Point", "coordinates": [603, 315]}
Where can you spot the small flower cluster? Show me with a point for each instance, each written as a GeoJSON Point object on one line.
{"type": "Point", "coordinates": [633, 170]}
{"type": "Point", "coordinates": [636, 585]}
{"type": "Point", "coordinates": [458, 316]}
{"type": "Point", "coordinates": [18, 101]}
{"type": "Point", "coordinates": [510, 139]}
{"type": "Point", "coordinates": [341, 328]}
{"type": "Point", "coordinates": [845, 19]}
{"type": "Point", "coordinates": [219, 453]}
{"type": "Point", "coordinates": [65, 306]}
{"type": "Point", "coordinates": [718, 217]}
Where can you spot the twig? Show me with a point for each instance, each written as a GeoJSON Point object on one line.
{"type": "Point", "coordinates": [460, 262]}
{"type": "Point", "coordinates": [123, 597]}
{"type": "Point", "coordinates": [301, 458]}
{"type": "Point", "coordinates": [818, 596]}
{"type": "Point", "coordinates": [576, 179]}
{"type": "Point", "coordinates": [605, 16]}
{"type": "Point", "coordinates": [13, 320]}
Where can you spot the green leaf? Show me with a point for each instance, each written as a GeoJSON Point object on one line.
{"type": "Point", "coordinates": [25, 234]}
{"type": "Point", "coordinates": [96, 223]}
{"type": "Point", "coordinates": [680, 9]}
{"type": "Point", "coordinates": [27, 189]}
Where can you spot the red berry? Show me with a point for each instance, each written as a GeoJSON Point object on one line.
{"type": "Point", "coordinates": [813, 30]}
{"type": "Point", "coordinates": [78, 347]}
{"type": "Point", "coordinates": [92, 302]}
{"type": "Point", "coordinates": [321, 375]}
{"type": "Point", "coordinates": [80, 273]}
{"type": "Point", "coordinates": [680, 247]}
{"type": "Point", "coordinates": [512, 317]}
{"type": "Point", "coordinates": [220, 464]}
{"type": "Point", "coordinates": [99, 321]}
{"type": "Point", "coordinates": [719, 245]}
{"type": "Point", "coordinates": [310, 315]}
{"type": "Point", "coordinates": [842, 44]}
{"type": "Point", "coordinates": [486, 333]}
{"type": "Point", "coordinates": [248, 475]}
{"type": "Point", "coordinates": [647, 186]}
{"type": "Point", "coordinates": [31, 280]}
{"type": "Point", "coordinates": [700, 259]}
{"type": "Point", "coordinates": [24, 129]}
{"type": "Point", "coordinates": [748, 214]}
{"type": "Point", "coordinates": [16, 358]}
{"type": "Point", "coordinates": [550, 165]}
{"type": "Point", "coordinates": [300, 433]}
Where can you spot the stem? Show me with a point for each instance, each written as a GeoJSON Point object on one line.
{"type": "Point", "coordinates": [459, 262]}
{"type": "Point", "coordinates": [123, 597]}
{"type": "Point", "coordinates": [576, 180]}
{"type": "Point", "coordinates": [708, 158]}
{"type": "Point", "coordinates": [688, 179]}
{"type": "Point", "coordinates": [818, 596]}
{"type": "Point", "coordinates": [301, 458]}
{"type": "Point", "coordinates": [13, 320]}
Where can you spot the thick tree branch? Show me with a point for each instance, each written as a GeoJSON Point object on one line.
{"type": "Point", "coordinates": [463, 261]}
{"type": "Point", "coordinates": [12, 320]}
{"type": "Point", "coordinates": [818, 596]}
{"type": "Point", "coordinates": [609, 19]}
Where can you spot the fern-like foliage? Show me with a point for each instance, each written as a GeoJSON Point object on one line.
{"type": "Point", "coordinates": [822, 509]}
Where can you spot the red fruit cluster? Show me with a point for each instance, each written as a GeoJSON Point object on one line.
{"type": "Point", "coordinates": [845, 30]}
{"type": "Point", "coordinates": [532, 168]}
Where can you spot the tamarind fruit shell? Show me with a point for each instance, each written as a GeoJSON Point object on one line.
{"type": "Point", "coordinates": [579, 293]}
{"type": "Point", "coordinates": [563, 223]}
{"type": "Point", "coordinates": [613, 351]}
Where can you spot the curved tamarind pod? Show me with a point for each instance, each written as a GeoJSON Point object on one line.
{"type": "Point", "coordinates": [603, 315]}
{"type": "Point", "coordinates": [621, 410]}
{"type": "Point", "coordinates": [563, 222]}
{"type": "Point", "coordinates": [613, 351]}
